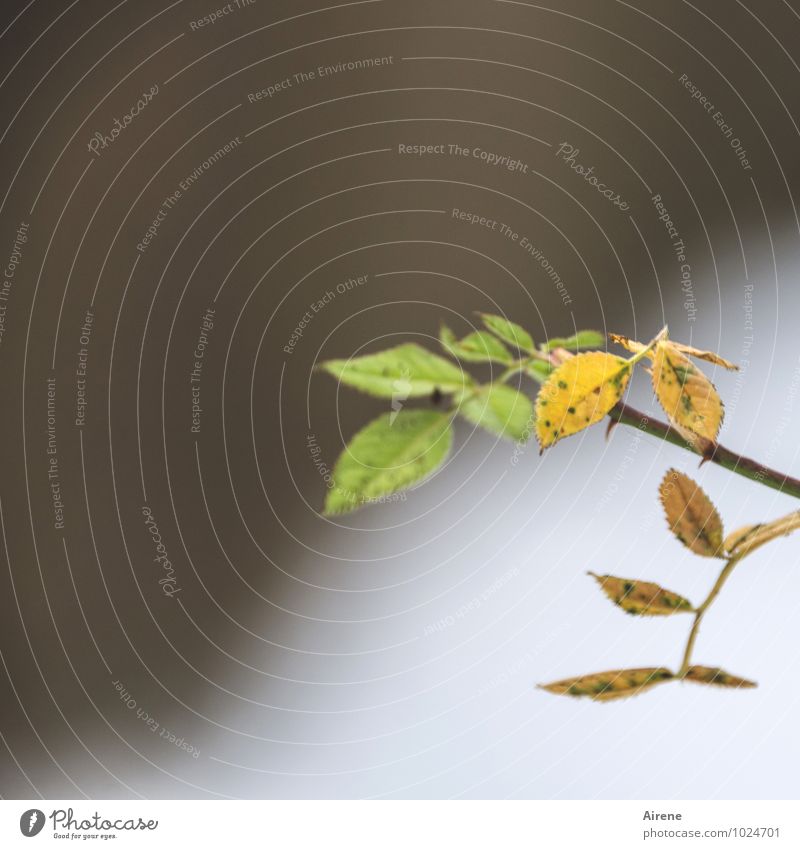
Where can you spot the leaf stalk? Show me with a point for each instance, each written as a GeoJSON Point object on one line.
{"type": "Point", "coordinates": [729, 566]}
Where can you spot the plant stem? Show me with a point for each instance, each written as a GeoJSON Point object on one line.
{"type": "Point", "coordinates": [514, 368]}
{"type": "Point", "coordinates": [640, 355]}
{"type": "Point", "coordinates": [700, 612]}
{"type": "Point", "coordinates": [722, 456]}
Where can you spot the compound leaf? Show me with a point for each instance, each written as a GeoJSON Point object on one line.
{"type": "Point", "coordinates": [499, 409]}
{"type": "Point", "coordinates": [691, 515]}
{"type": "Point", "coordinates": [407, 371]}
{"type": "Point", "coordinates": [641, 598]}
{"type": "Point", "coordinates": [579, 393]}
{"type": "Point", "coordinates": [616, 684]}
{"type": "Point", "coordinates": [390, 454]}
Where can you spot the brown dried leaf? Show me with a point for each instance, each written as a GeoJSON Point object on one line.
{"type": "Point", "coordinates": [709, 356]}
{"type": "Point", "coordinates": [642, 598]}
{"type": "Point", "coordinates": [737, 537]}
{"type": "Point", "coordinates": [629, 344]}
{"type": "Point", "coordinates": [751, 537]}
{"type": "Point", "coordinates": [635, 347]}
{"type": "Point", "coordinates": [615, 684]}
{"type": "Point", "coordinates": [717, 677]}
{"type": "Point", "coordinates": [691, 515]}
{"type": "Point", "coordinates": [688, 397]}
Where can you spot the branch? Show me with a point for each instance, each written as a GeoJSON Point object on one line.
{"type": "Point", "coordinates": [722, 456]}
{"type": "Point", "coordinates": [698, 616]}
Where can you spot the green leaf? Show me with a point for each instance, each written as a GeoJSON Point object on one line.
{"type": "Point", "coordinates": [478, 347]}
{"type": "Point", "coordinates": [481, 346]}
{"type": "Point", "coordinates": [388, 455]}
{"type": "Point", "coordinates": [448, 340]}
{"type": "Point", "coordinates": [499, 409]}
{"type": "Point", "coordinates": [508, 331]}
{"type": "Point", "coordinates": [582, 339]}
{"type": "Point", "coordinates": [539, 370]}
{"type": "Point", "coordinates": [407, 371]}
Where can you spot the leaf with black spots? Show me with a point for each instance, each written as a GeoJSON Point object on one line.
{"type": "Point", "coordinates": [579, 393]}
{"type": "Point", "coordinates": [717, 677]}
{"type": "Point", "coordinates": [615, 684]}
{"type": "Point", "coordinates": [642, 598]}
{"type": "Point", "coordinates": [688, 397]}
{"type": "Point", "coordinates": [691, 515]}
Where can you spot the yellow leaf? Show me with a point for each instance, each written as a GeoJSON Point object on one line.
{"type": "Point", "coordinates": [709, 356]}
{"type": "Point", "coordinates": [687, 396]}
{"type": "Point", "coordinates": [717, 677]}
{"type": "Point", "coordinates": [641, 598]}
{"type": "Point", "coordinates": [751, 537]}
{"type": "Point", "coordinates": [605, 686]}
{"type": "Point", "coordinates": [579, 393]}
{"type": "Point", "coordinates": [691, 515]}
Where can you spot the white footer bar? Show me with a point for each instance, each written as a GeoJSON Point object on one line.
{"type": "Point", "coordinates": [402, 824]}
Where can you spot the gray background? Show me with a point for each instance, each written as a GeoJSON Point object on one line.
{"type": "Point", "coordinates": [394, 652]}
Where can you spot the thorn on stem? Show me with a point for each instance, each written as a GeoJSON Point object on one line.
{"type": "Point", "coordinates": [709, 451]}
